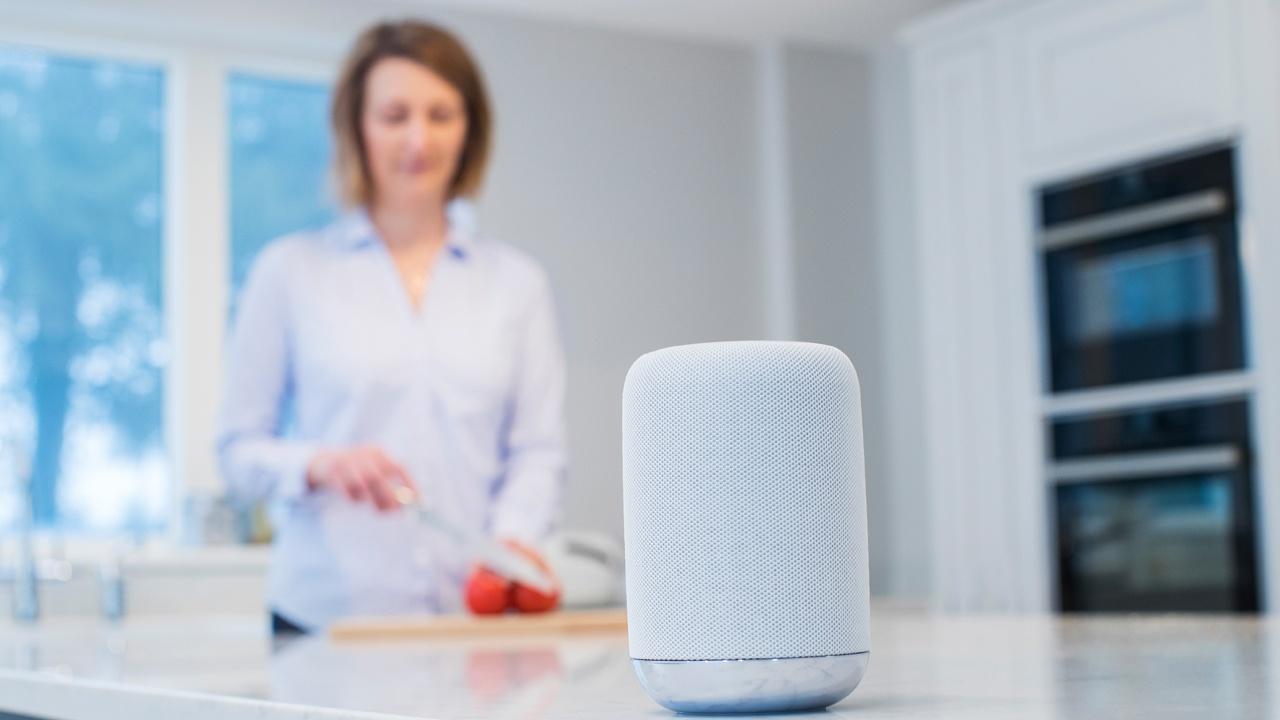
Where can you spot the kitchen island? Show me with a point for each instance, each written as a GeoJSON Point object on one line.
{"type": "Point", "coordinates": [923, 665]}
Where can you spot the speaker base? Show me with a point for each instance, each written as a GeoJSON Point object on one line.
{"type": "Point", "coordinates": [751, 686]}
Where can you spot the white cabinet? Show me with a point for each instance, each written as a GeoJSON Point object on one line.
{"type": "Point", "coordinates": [972, 313]}
{"type": "Point", "coordinates": [1006, 95]}
{"type": "Point", "coordinates": [1101, 80]}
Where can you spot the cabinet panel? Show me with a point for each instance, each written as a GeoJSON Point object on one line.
{"type": "Point", "coordinates": [1098, 78]}
{"type": "Point", "coordinates": [960, 168]}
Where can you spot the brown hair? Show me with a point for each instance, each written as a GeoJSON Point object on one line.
{"type": "Point", "coordinates": [439, 51]}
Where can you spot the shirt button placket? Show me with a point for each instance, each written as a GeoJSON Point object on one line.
{"type": "Point", "coordinates": [424, 555]}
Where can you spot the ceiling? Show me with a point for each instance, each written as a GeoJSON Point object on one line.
{"type": "Point", "coordinates": [839, 23]}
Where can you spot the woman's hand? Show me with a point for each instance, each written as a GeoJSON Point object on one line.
{"type": "Point", "coordinates": [360, 473]}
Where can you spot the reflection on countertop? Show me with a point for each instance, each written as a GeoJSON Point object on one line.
{"type": "Point", "coordinates": [922, 665]}
{"type": "Point", "coordinates": [527, 677]}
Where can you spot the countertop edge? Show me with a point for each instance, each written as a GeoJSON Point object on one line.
{"type": "Point", "coordinates": [51, 697]}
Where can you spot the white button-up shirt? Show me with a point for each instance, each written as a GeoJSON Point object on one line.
{"type": "Point", "coordinates": [466, 393]}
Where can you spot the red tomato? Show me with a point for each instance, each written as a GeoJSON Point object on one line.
{"type": "Point", "coordinates": [487, 592]}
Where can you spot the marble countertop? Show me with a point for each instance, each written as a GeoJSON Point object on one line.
{"type": "Point", "coordinates": [922, 666]}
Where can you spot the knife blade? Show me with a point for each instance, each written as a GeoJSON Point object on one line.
{"type": "Point", "coordinates": [479, 548]}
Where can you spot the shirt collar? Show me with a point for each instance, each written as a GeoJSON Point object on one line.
{"type": "Point", "coordinates": [355, 229]}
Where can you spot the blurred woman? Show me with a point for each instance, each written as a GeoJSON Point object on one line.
{"type": "Point", "coordinates": [394, 352]}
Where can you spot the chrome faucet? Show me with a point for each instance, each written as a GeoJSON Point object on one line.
{"type": "Point", "coordinates": [26, 591]}
{"type": "Point", "coordinates": [28, 570]}
{"type": "Point", "coordinates": [26, 584]}
{"type": "Point", "coordinates": [111, 601]}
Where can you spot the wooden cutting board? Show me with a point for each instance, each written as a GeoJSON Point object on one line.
{"type": "Point", "coordinates": [418, 627]}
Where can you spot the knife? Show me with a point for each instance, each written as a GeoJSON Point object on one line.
{"type": "Point", "coordinates": [480, 548]}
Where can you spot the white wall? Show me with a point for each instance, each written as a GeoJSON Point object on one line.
{"type": "Point", "coordinates": [1260, 222]}
{"type": "Point", "coordinates": [838, 285]}
{"type": "Point", "coordinates": [828, 97]}
{"type": "Point", "coordinates": [626, 163]}
{"type": "Point", "coordinates": [902, 404]}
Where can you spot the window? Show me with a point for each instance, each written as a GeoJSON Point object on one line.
{"type": "Point", "coordinates": [280, 154]}
{"type": "Point", "coordinates": [83, 354]}
{"type": "Point", "coordinates": [82, 349]}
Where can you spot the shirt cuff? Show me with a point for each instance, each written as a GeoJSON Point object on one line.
{"type": "Point", "coordinates": [292, 484]}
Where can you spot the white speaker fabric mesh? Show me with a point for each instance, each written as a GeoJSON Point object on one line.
{"type": "Point", "coordinates": [744, 502]}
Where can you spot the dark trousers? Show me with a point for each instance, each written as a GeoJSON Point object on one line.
{"type": "Point", "coordinates": [281, 626]}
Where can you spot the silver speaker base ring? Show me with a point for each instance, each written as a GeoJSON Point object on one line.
{"type": "Point", "coordinates": [751, 686]}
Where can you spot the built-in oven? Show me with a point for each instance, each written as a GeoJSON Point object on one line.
{"type": "Point", "coordinates": [1154, 509]}
{"type": "Point", "coordinates": [1142, 273]}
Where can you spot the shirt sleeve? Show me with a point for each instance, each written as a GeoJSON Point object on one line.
{"type": "Point", "coordinates": [527, 504]}
{"type": "Point", "coordinates": [256, 462]}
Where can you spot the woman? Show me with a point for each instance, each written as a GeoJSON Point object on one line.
{"type": "Point", "coordinates": [410, 353]}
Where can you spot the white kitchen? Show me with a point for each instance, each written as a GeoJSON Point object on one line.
{"type": "Point", "coordinates": [1039, 230]}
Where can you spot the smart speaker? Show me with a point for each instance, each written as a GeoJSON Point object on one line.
{"type": "Point", "coordinates": [746, 533]}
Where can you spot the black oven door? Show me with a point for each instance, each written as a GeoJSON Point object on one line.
{"type": "Point", "coordinates": [1156, 532]}
{"type": "Point", "coordinates": [1158, 303]}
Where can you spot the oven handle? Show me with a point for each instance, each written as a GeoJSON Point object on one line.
{"type": "Point", "coordinates": [1213, 458]}
{"type": "Point", "coordinates": [1135, 219]}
